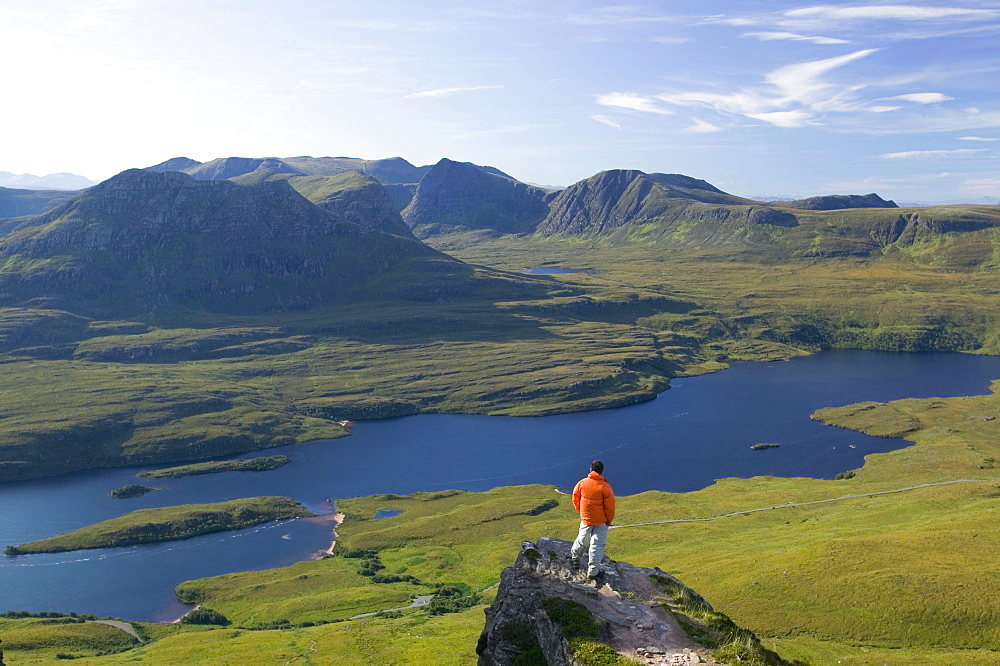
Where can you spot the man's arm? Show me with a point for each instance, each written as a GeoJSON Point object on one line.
{"type": "Point", "coordinates": [576, 497]}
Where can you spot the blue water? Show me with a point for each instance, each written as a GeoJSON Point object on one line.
{"type": "Point", "coordinates": [698, 431]}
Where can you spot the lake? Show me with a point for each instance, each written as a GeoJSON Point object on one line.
{"type": "Point", "coordinates": [698, 431]}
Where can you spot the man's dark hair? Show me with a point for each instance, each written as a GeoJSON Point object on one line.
{"type": "Point", "coordinates": [597, 466]}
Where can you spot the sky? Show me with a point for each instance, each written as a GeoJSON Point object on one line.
{"type": "Point", "coordinates": [757, 97]}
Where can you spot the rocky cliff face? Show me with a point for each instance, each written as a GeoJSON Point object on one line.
{"type": "Point", "coordinates": [909, 228]}
{"type": "Point", "coordinates": [456, 195]}
{"type": "Point", "coordinates": [546, 612]}
{"type": "Point", "coordinates": [839, 201]}
{"type": "Point", "coordinates": [144, 240]}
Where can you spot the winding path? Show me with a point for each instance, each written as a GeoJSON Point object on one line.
{"type": "Point", "coordinates": [417, 602]}
{"type": "Point", "coordinates": [124, 626]}
{"type": "Point", "coordinates": [792, 504]}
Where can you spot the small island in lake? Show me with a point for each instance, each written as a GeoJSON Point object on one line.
{"type": "Point", "coordinates": [131, 490]}
{"type": "Point", "coordinates": [263, 464]}
{"type": "Point", "coordinates": [764, 445]}
{"type": "Point", "coordinates": [169, 523]}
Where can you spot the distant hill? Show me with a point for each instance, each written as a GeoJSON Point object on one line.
{"type": "Point", "coordinates": [352, 195]}
{"type": "Point", "coordinates": [623, 203]}
{"type": "Point", "coordinates": [143, 241]}
{"type": "Point", "coordinates": [17, 202]}
{"type": "Point", "coordinates": [399, 177]}
{"type": "Point", "coordinates": [459, 195]}
{"type": "Point", "coordinates": [53, 181]}
{"type": "Point", "coordinates": [839, 202]}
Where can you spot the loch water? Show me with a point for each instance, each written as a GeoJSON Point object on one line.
{"type": "Point", "coordinates": [698, 431]}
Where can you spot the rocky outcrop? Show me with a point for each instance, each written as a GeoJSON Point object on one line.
{"type": "Point", "coordinates": [910, 227]}
{"type": "Point", "coordinates": [546, 606]}
{"type": "Point", "coordinates": [456, 195]}
{"type": "Point", "coordinates": [839, 201]}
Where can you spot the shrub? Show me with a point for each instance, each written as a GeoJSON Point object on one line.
{"type": "Point", "coordinates": [205, 616]}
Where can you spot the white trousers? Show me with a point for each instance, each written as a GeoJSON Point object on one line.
{"type": "Point", "coordinates": [594, 536]}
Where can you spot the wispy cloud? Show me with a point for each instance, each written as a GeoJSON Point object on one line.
{"type": "Point", "coordinates": [796, 118]}
{"type": "Point", "coordinates": [831, 13]}
{"type": "Point", "coordinates": [607, 121]}
{"type": "Point", "coordinates": [977, 138]}
{"type": "Point", "coordinates": [444, 92]}
{"type": "Point", "coordinates": [631, 101]}
{"type": "Point", "coordinates": [794, 37]}
{"type": "Point", "coordinates": [923, 98]}
{"type": "Point", "coordinates": [703, 127]}
{"type": "Point", "coordinates": [933, 154]}
{"type": "Point", "coordinates": [793, 94]}
{"type": "Point", "coordinates": [619, 15]}
{"type": "Point", "coordinates": [670, 41]}
{"type": "Point", "coordinates": [835, 18]}
{"type": "Point", "coordinates": [983, 187]}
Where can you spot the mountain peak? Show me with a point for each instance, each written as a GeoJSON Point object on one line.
{"type": "Point", "coordinates": [454, 195]}
{"type": "Point", "coordinates": [143, 239]}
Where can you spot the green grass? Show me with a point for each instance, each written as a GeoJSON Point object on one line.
{"type": "Point", "coordinates": [249, 465]}
{"type": "Point", "coordinates": [36, 641]}
{"type": "Point", "coordinates": [168, 523]}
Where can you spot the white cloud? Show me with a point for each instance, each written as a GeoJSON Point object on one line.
{"type": "Point", "coordinates": [796, 93]}
{"type": "Point", "coordinates": [887, 12]}
{"type": "Point", "coordinates": [702, 127]}
{"type": "Point", "coordinates": [630, 101]}
{"type": "Point", "coordinates": [670, 41]}
{"type": "Point", "coordinates": [973, 109]}
{"type": "Point", "coordinates": [607, 121]}
{"type": "Point", "coordinates": [618, 15]}
{"type": "Point", "coordinates": [923, 98]}
{"type": "Point", "coordinates": [791, 36]}
{"type": "Point", "coordinates": [977, 138]}
{"type": "Point", "coordinates": [933, 154]}
{"type": "Point", "coordinates": [443, 92]}
{"type": "Point", "coordinates": [984, 187]}
{"type": "Point", "coordinates": [796, 118]}
{"type": "Point", "coordinates": [882, 108]}
{"type": "Point", "coordinates": [801, 81]}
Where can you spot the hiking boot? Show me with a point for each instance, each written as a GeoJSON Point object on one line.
{"type": "Point", "coordinates": [596, 578]}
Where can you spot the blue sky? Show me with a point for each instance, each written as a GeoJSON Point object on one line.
{"type": "Point", "coordinates": [758, 98]}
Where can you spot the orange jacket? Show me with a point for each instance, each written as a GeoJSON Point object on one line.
{"type": "Point", "coordinates": [594, 499]}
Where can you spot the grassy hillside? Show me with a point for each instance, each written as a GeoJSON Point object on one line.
{"type": "Point", "coordinates": [168, 524]}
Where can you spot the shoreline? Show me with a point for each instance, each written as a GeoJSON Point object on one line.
{"type": "Point", "coordinates": [338, 518]}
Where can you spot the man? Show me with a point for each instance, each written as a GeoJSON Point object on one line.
{"type": "Point", "coordinates": [595, 501]}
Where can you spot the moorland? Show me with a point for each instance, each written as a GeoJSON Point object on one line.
{"type": "Point", "coordinates": [347, 315]}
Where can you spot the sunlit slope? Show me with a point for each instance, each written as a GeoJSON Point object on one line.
{"type": "Point", "coordinates": [682, 213]}
{"type": "Point", "coordinates": [351, 195]}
